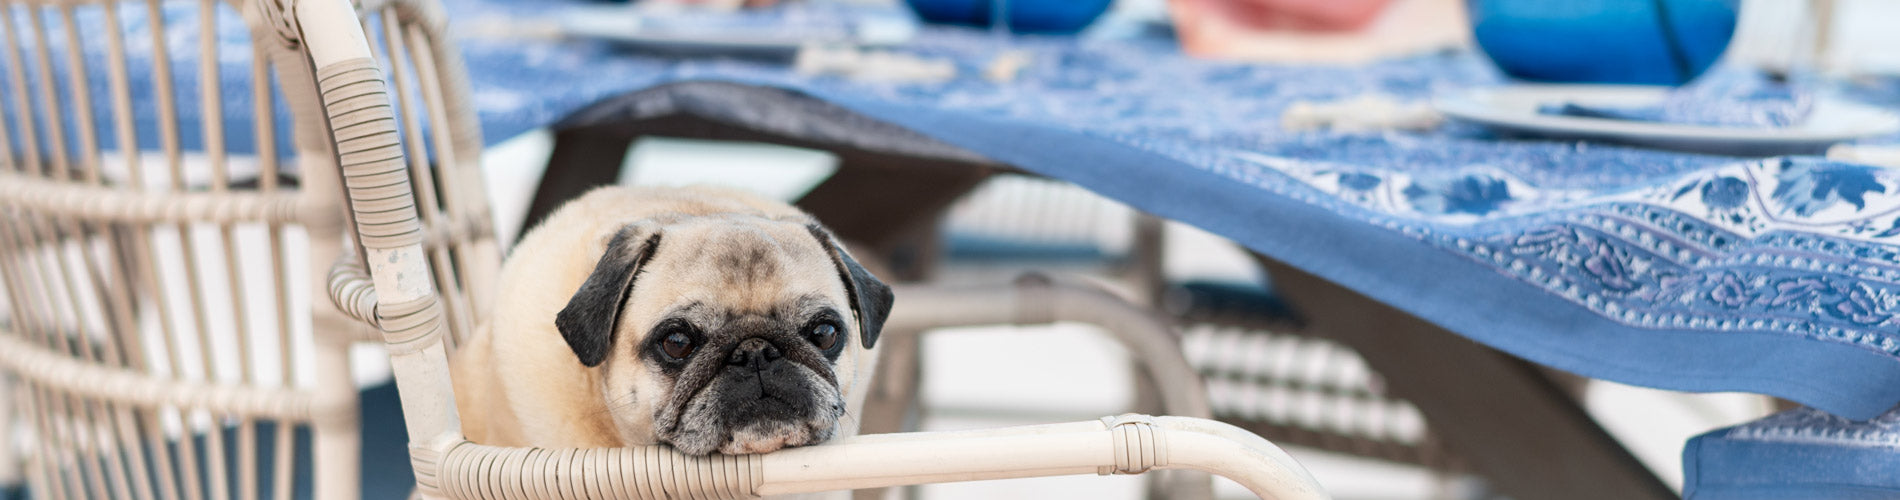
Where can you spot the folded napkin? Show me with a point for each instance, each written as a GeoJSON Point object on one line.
{"type": "Point", "coordinates": [1720, 101]}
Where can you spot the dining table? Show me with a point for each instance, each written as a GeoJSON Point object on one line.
{"type": "Point", "coordinates": [1462, 263]}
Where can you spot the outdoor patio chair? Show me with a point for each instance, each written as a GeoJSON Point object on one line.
{"type": "Point", "coordinates": [132, 380]}
{"type": "Point", "coordinates": [158, 260]}
{"type": "Point", "coordinates": [1264, 368]}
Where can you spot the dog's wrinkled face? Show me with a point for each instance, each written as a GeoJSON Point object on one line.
{"type": "Point", "coordinates": [727, 334]}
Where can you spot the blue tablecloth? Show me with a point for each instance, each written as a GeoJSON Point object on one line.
{"type": "Point", "coordinates": [1679, 271]}
{"type": "Point", "coordinates": [1689, 272]}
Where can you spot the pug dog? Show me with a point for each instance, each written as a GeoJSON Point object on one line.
{"type": "Point", "coordinates": [707, 319]}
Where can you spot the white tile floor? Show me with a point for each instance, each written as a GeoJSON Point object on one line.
{"type": "Point", "coordinates": [1068, 372]}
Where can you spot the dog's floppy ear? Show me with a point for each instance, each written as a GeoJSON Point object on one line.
{"type": "Point", "coordinates": [870, 299]}
{"type": "Point", "coordinates": [590, 316]}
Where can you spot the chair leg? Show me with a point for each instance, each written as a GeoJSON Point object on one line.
{"type": "Point", "coordinates": [10, 478]}
{"type": "Point", "coordinates": [336, 447]}
{"type": "Point", "coordinates": [582, 159]}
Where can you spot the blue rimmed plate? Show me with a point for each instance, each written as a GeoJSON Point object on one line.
{"type": "Point", "coordinates": [1515, 110]}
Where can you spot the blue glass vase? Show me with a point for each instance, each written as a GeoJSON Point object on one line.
{"type": "Point", "coordinates": [1657, 42]}
{"type": "Point", "coordinates": [1025, 16]}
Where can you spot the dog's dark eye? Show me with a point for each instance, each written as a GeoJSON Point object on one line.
{"type": "Point", "coordinates": [677, 346]}
{"type": "Point", "coordinates": [823, 335]}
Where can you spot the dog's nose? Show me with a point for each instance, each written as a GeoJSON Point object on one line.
{"type": "Point", "coordinates": [755, 353]}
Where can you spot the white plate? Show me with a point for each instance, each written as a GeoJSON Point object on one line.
{"type": "Point", "coordinates": [1513, 110]}
{"type": "Point", "coordinates": [703, 32]}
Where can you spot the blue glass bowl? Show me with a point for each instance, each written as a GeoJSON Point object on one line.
{"type": "Point", "coordinates": [1656, 42]}
{"type": "Point", "coordinates": [1025, 16]}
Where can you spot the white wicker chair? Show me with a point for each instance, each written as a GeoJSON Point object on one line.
{"type": "Point", "coordinates": [159, 322]}
{"type": "Point", "coordinates": [108, 312]}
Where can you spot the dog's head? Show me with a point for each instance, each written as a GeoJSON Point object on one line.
{"type": "Point", "coordinates": [725, 333]}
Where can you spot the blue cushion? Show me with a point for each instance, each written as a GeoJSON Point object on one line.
{"type": "Point", "coordinates": [1796, 454]}
{"type": "Point", "coordinates": [985, 248]}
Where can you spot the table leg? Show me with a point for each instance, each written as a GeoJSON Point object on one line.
{"type": "Point", "coordinates": [1503, 415]}
{"type": "Point", "coordinates": [582, 159]}
{"type": "Point", "coordinates": [1146, 271]}
{"type": "Point", "coordinates": [892, 203]}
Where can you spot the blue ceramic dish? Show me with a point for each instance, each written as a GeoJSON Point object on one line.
{"type": "Point", "coordinates": [1654, 42]}
{"type": "Point", "coordinates": [1025, 16]}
